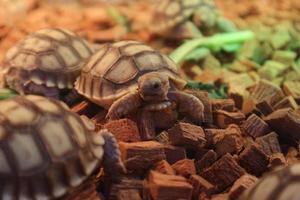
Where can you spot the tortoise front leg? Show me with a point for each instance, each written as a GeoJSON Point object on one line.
{"type": "Point", "coordinates": [188, 104]}
{"type": "Point", "coordinates": [123, 106]}
{"type": "Point", "coordinates": [112, 162]}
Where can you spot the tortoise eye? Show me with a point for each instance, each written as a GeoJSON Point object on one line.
{"type": "Point", "coordinates": [156, 85]}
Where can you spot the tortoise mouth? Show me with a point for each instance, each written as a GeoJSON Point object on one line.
{"type": "Point", "coordinates": [154, 96]}
{"type": "Point", "coordinates": [158, 106]}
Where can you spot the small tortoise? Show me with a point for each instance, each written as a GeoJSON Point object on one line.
{"type": "Point", "coordinates": [46, 150]}
{"type": "Point", "coordinates": [180, 18]}
{"type": "Point", "coordinates": [45, 62]}
{"type": "Point", "coordinates": [281, 184]}
{"type": "Point", "coordinates": [127, 75]}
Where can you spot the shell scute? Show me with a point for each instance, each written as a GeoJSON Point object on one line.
{"type": "Point", "coordinates": [23, 147]}
{"type": "Point", "coordinates": [122, 71]}
{"type": "Point", "coordinates": [107, 61]}
{"type": "Point", "coordinates": [149, 61]}
{"type": "Point", "coordinates": [53, 133]}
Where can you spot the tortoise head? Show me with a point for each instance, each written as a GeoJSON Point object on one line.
{"type": "Point", "coordinates": [153, 86]}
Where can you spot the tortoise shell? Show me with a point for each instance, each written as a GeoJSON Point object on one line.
{"type": "Point", "coordinates": [281, 184]}
{"type": "Point", "coordinates": [45, 149]}
{"type": "Point", "coordinates": [113, 71]}
{"type": "Point", "coordinates": [51, 57]}
{"type": "Point", "coordinates": [170, 13]}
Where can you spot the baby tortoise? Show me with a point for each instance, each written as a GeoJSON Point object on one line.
{"type": "Point", "coordinates": [183, 18]}
{"type": "Point", "coordinates": [281, 184]}
{"type": "Point", "coordinates": [128, 75]}
{"type": "Point", "coordinates": [45, 62]}
{"type": "Point", "coordinates": [46, 150]}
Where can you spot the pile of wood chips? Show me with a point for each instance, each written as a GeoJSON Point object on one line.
{"type": "Point", "coordinates": [217, 160]}
{"type": "Point", "coordinates": [242, 138]}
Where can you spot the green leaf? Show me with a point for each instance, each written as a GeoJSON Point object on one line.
{"type": "Point", "coordinates": [231, 48]}
{"type": "Point", "coordinates": [198, 54]}
{"type": "Point", "coordinates": [214, 91]}
{"type": "Point", "coordinates": [213, 43]}
{"type": "Point", "coordinates": [118, 17]}
{"type": "Point", "coordinates": [7, 93]}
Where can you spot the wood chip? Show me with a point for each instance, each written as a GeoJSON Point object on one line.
{"type": "Point", "coordinates": [240, 185]}
{"type": "Point", "coordinates": [185, 167]}
{"type": "Point", "coordinates": [187, 135]}
{"type": "Point", "coordinates": [211, 135]}
{"type": "Point", "coordinates": [269, 144]}
{"type": "Point", "coordinates": [286, 122]}
{"type": "Point", "coordinates": [238, 95]}
{"type": "Point", "coordinates": [263, 91]}
{"type": "Point", "coordinates": [292, 88]}
{"type": "Point", "coordinates": [254, 160]}
{"type": "Point", "coordinates": [206, 161]}
{"type": "Point", "coordinates": [163, 137]}
{"type": "Point", "coordinates": [173, 153]}
{"type": "Point", "coordinates": [224, 118]}
{"type": "Point", "coordinates": [263, 108]}
{"type": "Point", "coordinates": [164, 167]}
{"type": "Point", "coordinates": [255, 126]}
{"type": "Point", "coordinates": [168, 187]}
{"type": "Point", "coordinates": [124, 130]}
{"type": "Point", "coordinates": [141, 156]}
{"type": "Point", "coordinates": [229, 142]}
{"type": "Point", "coordinates": [223, 172]}
{"type": "Point", "coordinates": [85, 108]}
{"type": "Point", "coordinates": [202, 189]}
{"type": "Point", "coordinates": [128, 194]}
{"type": "Point", "coordinates": [223, 104]}
{"type": "Point", "coordinates": [131, 187]}
{"type": "Point", "coordinates": [286, 102]}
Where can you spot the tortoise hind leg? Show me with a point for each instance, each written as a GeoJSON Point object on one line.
{"type": "Point", "coordinates": [112, 162]}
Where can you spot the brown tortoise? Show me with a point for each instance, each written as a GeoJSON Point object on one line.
{"type": "Point", "coordinates": [281, 184]}
{"type": "Point", "coordinates": [184, 18]}
{"type": "Point", "coordinates": [128, 75]}
{"type": "Point", "coordinates": [46, 150]}
{"type": "Point", "coordinates": [45, 62]}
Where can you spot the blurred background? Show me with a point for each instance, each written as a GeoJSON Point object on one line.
{"type": "Point", "coordinates": [275, 23]}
